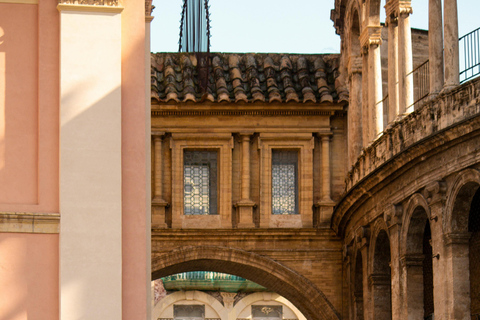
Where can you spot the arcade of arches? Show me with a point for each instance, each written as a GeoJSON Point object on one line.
{"type": "Point", "coordinates": [385, 217]}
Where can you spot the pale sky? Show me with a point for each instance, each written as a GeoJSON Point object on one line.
{"type": "Point", "coordinates": [292, 26]}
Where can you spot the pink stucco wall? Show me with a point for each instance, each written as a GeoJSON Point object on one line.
{"type": "Point", "coordinates": [29, 107]}
{"type": "Point", "coordinates": [28, 276]}
{"type": "Point", "coordinates": [135, 256]}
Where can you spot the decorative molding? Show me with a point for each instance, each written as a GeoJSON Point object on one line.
{"type": "Point", "coordinates": [395, 8]}
{"type": "Point", "coordinates": [20, 1]}
{"type": "Point", "coordinates": [393, 214]}
{"type": "Point", "coordinates": [200, 113]}
{"type": "Point", "coordinates": [110, 6]}
{"type": "Point", "coordinates": [29, 222]}
{"type": "Point", "coordinates": [371, 35]}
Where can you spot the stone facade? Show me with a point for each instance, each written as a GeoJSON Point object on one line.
{"type": "Point", "coordinates": [387, 182]}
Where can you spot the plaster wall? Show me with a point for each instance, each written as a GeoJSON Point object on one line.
{"type": "Point", "coordinates": [29, 107]}
{"type": "Point", "coordinates": [135, 152]}
{"type": "Point", "coordinates": [29, 276]}
{"type": "Point", "coordinates": [90, 165]}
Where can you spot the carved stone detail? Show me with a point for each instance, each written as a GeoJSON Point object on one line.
{"type": "Point", "coordinates": [371, 35]}
{"type": "Point", "coordinates": [111, 3]}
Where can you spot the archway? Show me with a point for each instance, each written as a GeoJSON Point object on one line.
{"type": "Point", "coordinates": [381, 278]}
{"type": "Point", "coordinates": [464, 243]}
{"type": "Point", "coordinates": [417, 267]}
{"type": "Point", "coordinates": [474, 255]}
{"type": "Point", "coordinates": [262, 270]}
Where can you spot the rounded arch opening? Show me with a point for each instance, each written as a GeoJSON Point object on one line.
{"type": "Point", "coordinates": [474, 254]}
{"type": "Point", "coordinates": [259, 269]}
{"type": "Point", "coordinates": [418, 262]}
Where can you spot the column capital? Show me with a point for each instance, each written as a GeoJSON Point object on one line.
{"type": "Point", "coordinates": [362, 235]}
{"type": "Point", "coordinates": [435, 192]}
{"type": "Point", "coordinates": [379, 279]}
{"type": "Point", "coordinates": [158, 134]}
{"type": "Point", "coordinates": [371, 35]}
{"type": "Point", "coordinates": [393, 214]}
{"type": "Point", "coordinates": [410, 260]}
{"type": "Point", "coordinates": [456, 238]}
{"type": "Point", "coordinates": [396, 8]}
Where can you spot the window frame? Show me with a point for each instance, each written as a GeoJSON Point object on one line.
{"type": "Point", "coordinates": [304, 144]}
{"type": "Point", "coordinates": [223, 144]}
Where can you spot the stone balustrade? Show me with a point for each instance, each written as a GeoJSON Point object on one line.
{"type": "Point", "coordinates": [447, 109]}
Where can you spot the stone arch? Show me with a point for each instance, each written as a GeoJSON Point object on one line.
{"type": "Point", "coordinates": [380, 279]}
{"type": "Point", "coordinates": [416, 259]}
{"type": "Point", "coordinates": [260, 296]}
{"type": "Point", "coordinates": [196, 295]}
{"type": "Point", "coordinates": [461, 237]}
{"type": "Point", "coordinates": [262, 270]}
{"type": "Point", "coordinates": [459, 199]}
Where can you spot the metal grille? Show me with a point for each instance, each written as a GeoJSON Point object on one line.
{"type": "Point", "coordinates": [200, 182]}
{"type": "Point", "coordinates": [189, 312]}
{"type": "Point", "coordinates": [267, 312]}
{"type": "Point", "coordinates": [469, 48]}
{"type": "Point", "coordinates": [284, 181]}
{"type": "Point", "coordinates": [474, 255]}
{"type": "Point", "coordinates": [421, 80]}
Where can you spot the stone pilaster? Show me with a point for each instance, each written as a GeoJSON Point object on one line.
{"type": "Point", "coordinates": [326, 204]}
{"type": "Point", "coordinates": [434, 193]}
{"type": "Point", "coordinates": [362, 235]}
{"type": "Point", "coordinates": [245, 205]}
{"type": "Point", "coordinates": [412, 281]}
{"type": "Point", "coordinates": [393, 218]}
{"type": "Point", "coordinates": [159, 205]}
{"type": "Point", "coordinates": [457, 276]}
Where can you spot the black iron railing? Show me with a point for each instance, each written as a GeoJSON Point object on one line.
{"type": "Point", "coordinates": [469, 48]}
{"type": "Point", "coordinates": [421, 83]}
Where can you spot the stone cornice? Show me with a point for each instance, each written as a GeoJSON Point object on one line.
{"type": "Point", "coordinates": [107, 6]}
{"type": "Point", "coordinates": [371, 35]}
{"type": "Point", "coordinates": [286, 113]}
{"type": "Point", "coordinates": [20, 1]}
{"type": "Point", "coordinates": [29, 222]}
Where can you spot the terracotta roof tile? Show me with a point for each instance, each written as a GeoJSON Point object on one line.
{"type": "Point", "coordinates": [248, 78]}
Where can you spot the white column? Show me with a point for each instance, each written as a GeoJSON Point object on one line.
{"type": "Point", "coordinates": [393, 108]}
{"type": "Point", "coordinates": [435, 46]}
{"type": "Point", "coordinates": [90, 162]}
{"type": "Point", "coordinates": [405, 59]}
{"type": "Point", "coordinates": [365, 106]}
{"type": "Point", "coordinates": [450, 24]}
{"type": "Point", "coordinates": [355, 110]}
{"type": "Point", "coordinates": [371, 40]}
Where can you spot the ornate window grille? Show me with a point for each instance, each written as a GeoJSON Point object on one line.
{"type": "Point", "coordinates": [189, 312]}
{"type": "Point", "coordinates": [267, 312]}
{"type": "Point", "coordinates": [200, 182]}
{"type": "Point", "coordinates": [284, 182]}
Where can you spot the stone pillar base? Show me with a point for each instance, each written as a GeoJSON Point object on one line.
{"type": "Point", "coordinates": [158, 213]}
{"type": "Point", "coordinates": [244, 218]}
{"type": "Point", "coordinates": [323, 214]}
